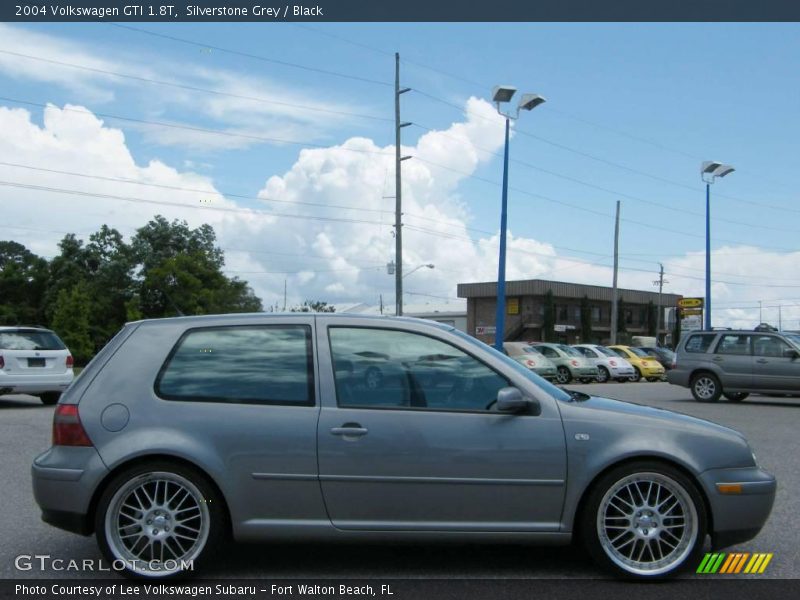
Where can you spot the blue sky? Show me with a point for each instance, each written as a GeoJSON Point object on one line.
{"type": "Point", "coordinates": [632, 111]}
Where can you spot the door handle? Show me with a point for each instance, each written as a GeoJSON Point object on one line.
{"type": "Point", "coordinates": [762, 361]}
{"type": "Point", "coordinates": [348, 430]}
{"type": "Point", "coordinates": [717, 359]}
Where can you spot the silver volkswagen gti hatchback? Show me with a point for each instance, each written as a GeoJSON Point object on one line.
{"type": "Point", "coordinates": [182, 432]}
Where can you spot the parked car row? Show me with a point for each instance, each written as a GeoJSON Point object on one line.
{"type": "Point", "coordinates": [591, 362]}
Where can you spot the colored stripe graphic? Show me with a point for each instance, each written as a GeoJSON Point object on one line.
{"type": "Point", "coordinates": [716, 562]}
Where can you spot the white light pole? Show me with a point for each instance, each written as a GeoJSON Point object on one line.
{"type": "Point", "coordinates": [500, 95]}
{"type": "Point", "coordinates": [709, 171]}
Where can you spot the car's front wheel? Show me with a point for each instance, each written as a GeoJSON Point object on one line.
{"type": "Point", "coordinates": [644, 520]}
{"type": "Point", "coordinates": [602, 375]}
{"type": "Point", "coordinates": [159, 520]}
{"type": "Point", "coordinates": [563, 375]}
{"type": "Point", "coordinates": [706, 387]}
{"type": "Point", "coordinates": [637, 375]}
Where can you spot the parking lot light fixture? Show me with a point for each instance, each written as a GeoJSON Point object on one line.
{"type": "Point", "coordinates": [502, 94]}
{"type": "Point", "coordinates": [425, 266]}
{"type": "Point", "coordinates": [710, 170]}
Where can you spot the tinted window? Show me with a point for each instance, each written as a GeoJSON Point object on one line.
{"type": "Point", "coordinates": [619, 352]}
{"type": "Point", "coordinates": [639, 352]}
{"type": "Point", "coordinates": [547, 351]}
{"type": "Point", "coordinates": [794, 338]}
{"type": "Point", "coordinates": [734, 344]}
{"type": "Point", "coordinates": [606, 351]}
{"type": "Point", "coordinates": [260, 365]}
{"type": "Point", "coordinates": [568, 350]}
{"type": "Point", "coordinates": [699, 343]}
{"type": "Point", "coordinates": [586, 352]}
{"type": "Point", "coordinates": [29, 339]}
{"type": "Point", "coordinates": [383, 368]}
{"type": "Point", "coordinates": [767, 345]}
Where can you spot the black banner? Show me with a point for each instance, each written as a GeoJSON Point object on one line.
{"type": "Point", "coordinates": [401, 11]}
{"type": "Point", "coordinates": [710, 588]}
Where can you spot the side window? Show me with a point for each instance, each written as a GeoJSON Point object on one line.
{"type": "Point", "coordinates": [768, 345]}
{"type": "Point", "coordinates": [620, 353]}
{"type": "Point", "coordinates": [384, 368]}
{"type": "Point", "coordinates": [588, 352]}
{"type": "Point", "coordinates": [547, 351]}
{"type": "Point", "coordinates": [699, 343]}
{"type": "Point", "coordinates": [250, 365]}
{"type": "Point", "coordinates": [734, 344]}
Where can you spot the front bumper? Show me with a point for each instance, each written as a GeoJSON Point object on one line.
{"type": "Point", "coordinates": [64, 481]}
{"type": "Point", "coordinates": [738, 517]}
{"type": "Point", "coordinates": [622, 372]}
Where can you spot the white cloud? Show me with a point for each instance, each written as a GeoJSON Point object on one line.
{"type": "Point", "coordinates": [333, 253]}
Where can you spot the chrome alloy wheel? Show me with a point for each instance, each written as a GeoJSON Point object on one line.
{"type": "Point", "coordinates": [705, 388]}
{"type": "Point", "coordinates": [647, 524]}
{"type": "Point", "coordinates": [157, 521]}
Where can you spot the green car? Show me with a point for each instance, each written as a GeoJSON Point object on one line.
{"type": "Point", "coordinates": [570, 364]}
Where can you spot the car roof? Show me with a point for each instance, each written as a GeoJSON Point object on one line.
{"type": "Point", "coordinates": [199, 319]}
{"type": "Point", "coordinates": [24, 328]}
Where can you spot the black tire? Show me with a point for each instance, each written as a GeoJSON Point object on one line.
{"type": "Point", "coordinates": [735, 396]}
{"type": "Point", "coordinates": [602, 375]}
{"type": "Point", "coordinates": [564, 375]}
{"type": "Point", "coordinates": [599, 516]}
{"type": "Point", "coordinates": [50, 398]}
{"type": "Point", "coordinates": [637, 375]}
{"type": "Point", "coordinates": [623, 379]}
{"type": "Point", "coordinates": [706, 387]}
{"type": "Point", "coordinates": [587, 380]}
{"type": "Point", "coordinates": [653, 379]}
{"type": "Point", "coordinates": [211, 534]}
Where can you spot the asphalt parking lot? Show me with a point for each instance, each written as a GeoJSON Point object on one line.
{"type": "Point", "coordinates": [770, 424]}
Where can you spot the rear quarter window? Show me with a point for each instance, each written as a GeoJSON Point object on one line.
{"type": "Point", "coordinates": [248, 365]}
{"type": "Point", "coordinates": [698, 344]}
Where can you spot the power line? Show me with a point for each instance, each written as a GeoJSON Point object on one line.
{"type": "Point", "coordinates": [194, 88]}
{"type": "Point", "coordinates": [252, 56]}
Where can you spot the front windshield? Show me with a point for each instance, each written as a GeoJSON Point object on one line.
{"type": "Point", "coordinates": [794, 338]}
{"type": "Point", "coordinates": [532, 350]}
{"type": "Point", "coordinates": [640, 353]}
{"type": "Point", "coordinates": [606, 351]}
{"type": "Point", "coordinates": [543, 384]}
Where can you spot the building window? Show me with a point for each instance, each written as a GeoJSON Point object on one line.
{"type": "Point", "coordinates": [563, 313]}
{"type": "Point", "coordinates": [596, 314]}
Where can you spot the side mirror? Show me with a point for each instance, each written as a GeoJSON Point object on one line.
{"type": "Point", "coordinates": [790, 353]}
{"type": "Point", "coordinates": [511, 400]}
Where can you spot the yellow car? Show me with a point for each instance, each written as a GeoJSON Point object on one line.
{"type": "Point", "coordinates": [644, 365]}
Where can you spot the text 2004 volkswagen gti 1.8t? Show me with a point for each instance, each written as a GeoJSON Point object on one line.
{"type": "Point", "coordinates": [265, 427]}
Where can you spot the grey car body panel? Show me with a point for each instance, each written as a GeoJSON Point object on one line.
{"type": "Point", "coordinates": [418, 474]}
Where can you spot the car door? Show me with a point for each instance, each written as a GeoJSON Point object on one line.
{"type": "Point", "coordinates": [734, 360]}
{"type": "Point", "coordinates": [773, 369]}
{"type": "Point", "coordinates": [423, 452]}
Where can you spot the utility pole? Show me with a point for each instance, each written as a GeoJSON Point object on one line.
{"type": "Point", "coordinates": [284, 295]}
{"type": "Point", "coordinates": [398, 194]}
{"type": "Point", "coordinates": [614, 285]}
{"type": "Point", "coordinates": [780, 318]}
{"type": "Point", "coordinates": [660, 283]}
{"type": "Point", "coordinates": [760, 318]}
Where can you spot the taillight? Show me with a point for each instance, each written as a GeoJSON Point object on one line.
{"type": "Point", "coordinates": [70, 361]}
{"type": "Point", "coordinates": [645, 363]}
{"type": "Point", "coordinates": [575, 363]}
{"type": "Point", "coordinates": [613, 363]}
{"type": "Point", "coordinates": [67, 427]}
{"type": "Point", "coordinates": [530, 363]}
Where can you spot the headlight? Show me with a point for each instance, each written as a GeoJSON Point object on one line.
{"type": "Point", "coordinates": [753, 454]}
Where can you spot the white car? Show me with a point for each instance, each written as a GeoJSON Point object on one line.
{"type": "Point", "coordinates": [35, 361]}
{"type": "Point", "coordinates": [609, 365]}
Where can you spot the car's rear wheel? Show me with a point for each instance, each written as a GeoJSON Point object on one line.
{"type": "Point", "coordinates": [602, 375]}
{"type": "Point", "coordinates": [159, 520]}
{"type": "Point", "coordinates": [653, 379]}
{"type": "Point", "coordinates": [50, 398]}
{"type": "Point", "coordinates": [563, 375]}
{"type": "Point", "coordinates": [644, 520]}
{"type": "Point", "coordinates": [706, 387]}
{"type": "Point", "coordinates": [637, 375]}
{"type": "Point", "coordinates": [735, 396]}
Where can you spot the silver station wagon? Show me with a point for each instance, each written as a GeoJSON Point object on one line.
{"type": "Point", "coordinates": [182, 432]}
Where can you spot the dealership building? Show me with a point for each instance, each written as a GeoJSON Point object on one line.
{"type": "Point", "coordinates": [525, 310]}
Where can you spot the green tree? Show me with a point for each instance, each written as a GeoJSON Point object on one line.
{"type": "Point", "coordinates": [314, 306]}
{"type": "Point", "coordinates": [71, 322]}
{"type": "Point", "coordinates": [549, 317]}
{"type": "Point", "coordinates": [23, 281]}
{"type": "Point", "coordinates": [586, 320]}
